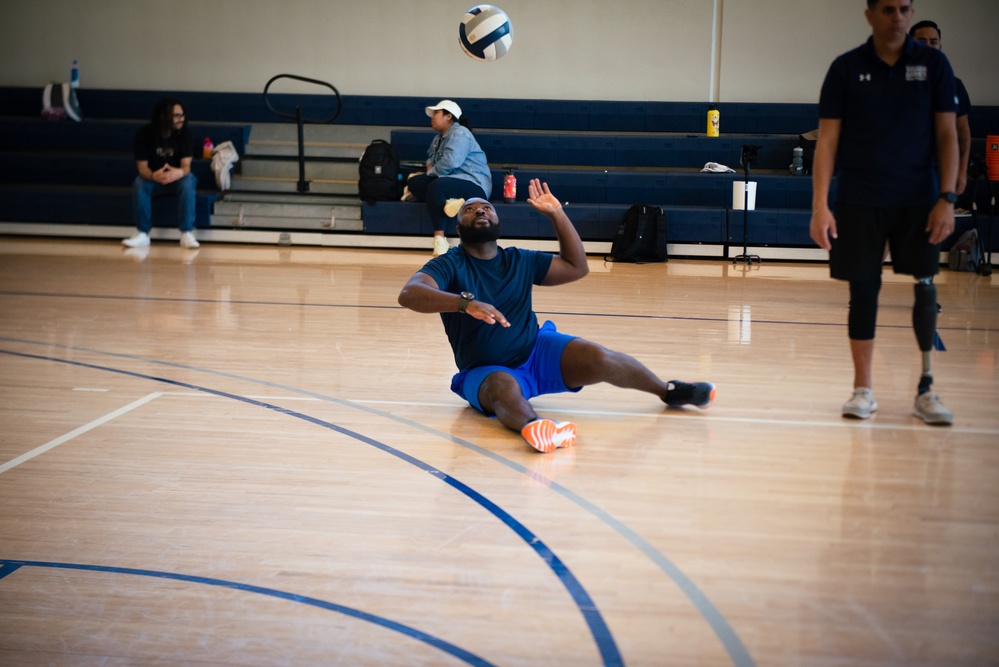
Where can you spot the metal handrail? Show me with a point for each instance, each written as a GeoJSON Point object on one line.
{"type": "Point", "coordinates": [303, 185]}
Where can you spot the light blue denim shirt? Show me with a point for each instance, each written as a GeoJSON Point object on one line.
{"type": "Point", "coordinates": [456, 153]}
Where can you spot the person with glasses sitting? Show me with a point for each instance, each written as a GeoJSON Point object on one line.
{"type": "Point", "coordinates": [163, 154]}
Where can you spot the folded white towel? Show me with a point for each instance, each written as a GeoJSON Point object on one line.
{"type": "Point", "coordinates": [715, 168]}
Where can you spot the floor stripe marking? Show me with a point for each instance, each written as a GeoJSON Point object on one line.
{"type": "Point", "coordinates": [52, 444]}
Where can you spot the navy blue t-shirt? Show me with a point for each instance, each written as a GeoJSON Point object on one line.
{"type": "Point", "coordinates": [963, 100]}
{"type": "Point", "coordinates": [506, 282]}
{"type": "Point", "coordinates": [887, 146]}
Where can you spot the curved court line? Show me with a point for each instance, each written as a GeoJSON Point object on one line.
{"type": "Point", "coordinates": [594, 619]}
{"type": "Point", "coordinates": [713, 617]}
{"type": "Point", "coordinates": [8, 566]}
{"type": "Point", "coordinates": [676, 318]}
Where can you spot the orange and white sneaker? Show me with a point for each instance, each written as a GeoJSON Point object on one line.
{"type": "Point", "coordinates": [547, 435]}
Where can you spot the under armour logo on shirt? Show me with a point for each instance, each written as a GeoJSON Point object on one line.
{"type": "Point", "coordinates": [865, 77]}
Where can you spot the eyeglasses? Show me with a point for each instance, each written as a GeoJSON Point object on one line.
{"type": "Point", "coordinates": [179, 115]}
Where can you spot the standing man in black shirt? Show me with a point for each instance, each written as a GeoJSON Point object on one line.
{"type": "Point", "coordinates": [887, 127]}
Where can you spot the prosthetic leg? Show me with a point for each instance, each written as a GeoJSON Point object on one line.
{"type": "Point", "coordinates": [924, 323]}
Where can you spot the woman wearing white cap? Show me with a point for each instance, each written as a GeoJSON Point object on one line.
{"type": "Point", "coordinates": [456, 169]}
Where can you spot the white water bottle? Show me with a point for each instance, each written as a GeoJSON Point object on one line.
{"type": "Point", "coordinates": [74, 77]}
{"type": "Point", "coordinates": [797, 161]}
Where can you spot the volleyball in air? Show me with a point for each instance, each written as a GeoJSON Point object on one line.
{"type": "Point", "coordinates": [485, 33]}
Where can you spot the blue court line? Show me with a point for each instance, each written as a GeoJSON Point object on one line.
{"type": "Point", "coordinates": [675, 318]}
{"type": "Point", "coordinates": [10, 566]}
{"type": "Point", "coordinates": [726, 635]}
{"type": "Point", "coordinates": [594, 619]}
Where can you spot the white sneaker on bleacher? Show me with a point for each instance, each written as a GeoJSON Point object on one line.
{"type": "Point", "coordinates": [452, 206]}
{"type": "Point", "coordinates": [138, 240]}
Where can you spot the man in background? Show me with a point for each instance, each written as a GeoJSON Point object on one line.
{"type": "Point", "coordinates": [163, 154]}
{"type": "Point", "coordinates": [927, 32]}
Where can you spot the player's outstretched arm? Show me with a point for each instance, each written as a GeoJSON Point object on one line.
{"type": "Point", "coordinates": [422, 295]}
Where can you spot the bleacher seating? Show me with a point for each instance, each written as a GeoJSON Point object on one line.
{"type": "Point", "coordinates": [599, 156]}
{"type": "Point", "coordinates": [65, 172]}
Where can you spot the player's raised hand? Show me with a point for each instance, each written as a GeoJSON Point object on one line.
{"type": "Point", "coordinates": [541, 198]}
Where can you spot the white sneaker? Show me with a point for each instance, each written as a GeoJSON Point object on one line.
{"type": "Point", "coordinates": [452, 206]}
{"type": "Point", "coordinates": [138, 240]}
{"type": "Point", "coordinates": [187, 240]}
{"type": "Point", "coordinates": [441, 245]}
{"type": "Point", "coordinates": [861, 404]}
{"type": "Point", "coordinates": [931, 410]}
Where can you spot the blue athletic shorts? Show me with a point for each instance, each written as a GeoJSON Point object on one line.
{"type": "Point", "coordinates": [540, 374]}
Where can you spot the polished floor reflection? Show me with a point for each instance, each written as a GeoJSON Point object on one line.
{"type": "Point", "coordinates": [250, 455]}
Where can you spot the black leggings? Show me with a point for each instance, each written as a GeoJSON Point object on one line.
{"type": "Point", "coordinates": [863, 317]}
{"type": "Point", "coordinates": [435, 191]}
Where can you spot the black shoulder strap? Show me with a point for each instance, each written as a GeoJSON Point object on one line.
{"type": "Point", "coordinates": [662, 235]}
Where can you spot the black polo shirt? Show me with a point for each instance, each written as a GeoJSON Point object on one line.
{"type": "Point", "coordinates": [887, 148]}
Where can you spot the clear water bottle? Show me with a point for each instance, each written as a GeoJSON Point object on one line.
{"type": "Point", "coordinates": [797, 161]}
{"type": "Point", "coordinates": [74, 77]}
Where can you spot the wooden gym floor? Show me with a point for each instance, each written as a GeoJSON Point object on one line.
{"type": "Point", "coordinates": [250, 456]}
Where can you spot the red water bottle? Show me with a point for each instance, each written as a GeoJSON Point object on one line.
{"type": "Point", "coordinates": [509, 187]}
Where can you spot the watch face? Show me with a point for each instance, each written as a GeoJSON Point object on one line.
{"type": "Point", "coordinates": [949, 197]}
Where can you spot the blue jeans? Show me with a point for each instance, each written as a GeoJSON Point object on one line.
{"type": "Point", "coordinates": [144, 190]}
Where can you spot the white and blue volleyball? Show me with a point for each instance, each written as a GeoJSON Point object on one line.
{"type": "Point", "coordinates": [485, 33]}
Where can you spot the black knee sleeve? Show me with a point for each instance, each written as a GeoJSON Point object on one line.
{"type": "Point", "coordinates": [924, 313]}
{"type": "Point", "coordinates": [863, 308]}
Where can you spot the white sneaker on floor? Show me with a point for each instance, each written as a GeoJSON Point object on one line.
{"type": "Point", "coordinates": [931, 410]}
{"type": "Point", "coordinates": [187, 240]}
{"type": "Point", "coordinates": [861, 405]}
{"type": "Point", "coordinates": [441, 246]}
{"type": "Point", "coordinates": [138, 240]}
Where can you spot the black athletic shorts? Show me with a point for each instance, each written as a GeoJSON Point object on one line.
{"type": "Point", "coordinates": [858, 253]}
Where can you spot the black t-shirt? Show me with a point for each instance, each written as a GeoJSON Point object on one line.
{"type": "Point", "coordinates": [157, 150]}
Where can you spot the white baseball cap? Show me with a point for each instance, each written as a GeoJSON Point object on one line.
{"type": "Point", "coordinates": [447, 105]}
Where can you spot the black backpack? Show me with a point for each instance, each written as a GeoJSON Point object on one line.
{"type": "Point", "coordinates": [966, 253]}
{"type": "Point", "coordinates": [641, 236]}
{"type": "Point", "coordinates": [379, 173]}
